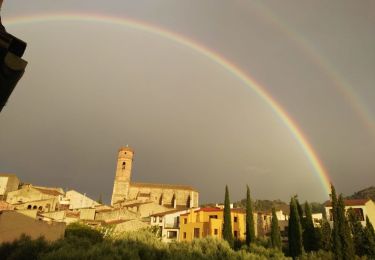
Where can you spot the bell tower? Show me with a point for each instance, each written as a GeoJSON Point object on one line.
{"type": "Point", "coordinates": [123, 174]}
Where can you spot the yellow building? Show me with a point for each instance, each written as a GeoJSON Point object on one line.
{"type": "Point", "coordinates": [205, 222]}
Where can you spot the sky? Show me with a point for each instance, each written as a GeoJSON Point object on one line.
{"type": "Point", "coordinates": [92, 87]}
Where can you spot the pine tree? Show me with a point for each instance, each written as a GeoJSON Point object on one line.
{"type": "Point", "coordinates": [275, 231]}
{"type": "Point", "coordinates": [310, 240]}
{"type": "Point", "coordinates": [357, 232]}
{"type": "Point", "coordinates": [326, 235]}
{"type": "Point", "coordinates": [344, 231]}
{"type": "Point", "coordinates": [250, 232]}
{"type": "Point", "coordinates": [369, 239]}
{"type": "Point", "coordinates": [294, 231]}
{"type": "Point", "coordinates": [227, 228]}
{"type": "Point", "coordinates": [336, 241]}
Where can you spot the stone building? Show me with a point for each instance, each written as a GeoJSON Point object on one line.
{"type": "Point", "coordinates": [35, 197]}
{"type": "Point", "coordinates": [8, 183]}
{"type": "Point", "coordinates": [172, 196]}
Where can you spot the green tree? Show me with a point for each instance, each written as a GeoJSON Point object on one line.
{"type": "Point", "coordinates": [300, 213]}
{"type": "Point", "coordinates": [326, 235]}
{"type": "Point", "coordinates": [294, 231]}
{"type": "Point", "coordinates": [227, 228]}
{"type": "Point", "coordinates": [369, 239]}
{"type": "Point", "coordinates": [357, 232]}
{"type": "Point", "coordinates": [275, 231]}
{"type": "Point", "coordinates": [344, 231]}
{"type": "Point", "coordinates": [310, 239]}
{"type": "Point", "coordinates": [336, 241]}
{"type": "Point", "coordinates": [250, 232]}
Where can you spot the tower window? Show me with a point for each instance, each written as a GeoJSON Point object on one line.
{"type": "Point", "coordinates": [123, 165]}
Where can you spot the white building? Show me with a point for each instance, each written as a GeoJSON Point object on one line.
{"type": "Point", "coordinates": [362, 207]}
{"type": "Point", "coordinates": [78, 200]}
{"type": "Point", "coordinates": [169, 224]}
{"type": "Point", "coordinates": [8, 183]}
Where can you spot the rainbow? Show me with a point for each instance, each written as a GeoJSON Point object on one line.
{"type": "Point", "coordinates": [341, 86]}
{"type": "Point", "coordinates": [210, 54]}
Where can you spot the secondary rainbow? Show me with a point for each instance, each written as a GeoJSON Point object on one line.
{"type": "Point", "coordinates": [337, 80]}
{"type": "Point", "coordinates": [210, 54]}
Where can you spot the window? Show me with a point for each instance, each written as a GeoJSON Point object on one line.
{"type": "Point", "coordinates": [172, 234]}
{"type": "Point", "coordinates": [184, 235]}
{"type": "Point", "coordinates": [213, 216]}
{"type": "Point", "coordinates": [34, 207]}
{"type": "Point", "coordinates": [216, 231]}
{"type": "Point", "coordinates": [235, 234]}
{"type": "Point", "coordinates": [160, 219]}
{"type": "Point", "coordinates": [29, 207]}
{"type": "Point", "coordinates": [196, 232]}
{"type": "Point", "coordinates": [235, 219]}
{"type": "Point", "coordinates": [40, 208]}
{"type": "Point", "coordinates": [185, 220]}
{"type": "Point", "coordinates": [123, 165]}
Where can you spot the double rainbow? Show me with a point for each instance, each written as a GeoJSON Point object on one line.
{"type": "Point", "coordinates": [203, 50]}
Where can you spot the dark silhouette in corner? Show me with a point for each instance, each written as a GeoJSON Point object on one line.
{"type": "Point", "coordinates": [12, 66]}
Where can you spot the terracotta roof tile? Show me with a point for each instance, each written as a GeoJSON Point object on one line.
{"type": "Point", "coordinates": [354, 202]}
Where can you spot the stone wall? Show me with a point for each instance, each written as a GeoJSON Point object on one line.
{"type": "Point", "coordinates": [13, 224]}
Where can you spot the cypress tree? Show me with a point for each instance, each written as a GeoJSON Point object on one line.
{"type": "Point", "coordinates": [344, 231]}
{"type": "Point", "coordinates": [369, 239]}
{"type": "Point", "coordinates": [275, 231]}
{"type": "Point", "coordinates": [294, 231]}
{"type": "Point", "coordinates": [300, 213]}
{"type": "Point", "coordinates": [357, 232]}
{"type": "Point", "coordinates": [336, 241]}
{"type": "Point", "coordinates": [310, 240]}
{"type": "Point", "coordinates": [250, 232]}
{"type": "Point", "coordinates": [227, 228]}
{"type": "Point", "coordinates": [326, 232]}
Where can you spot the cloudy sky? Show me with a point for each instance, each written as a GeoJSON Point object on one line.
{"type": "Point", "coordinates": [91, 87]}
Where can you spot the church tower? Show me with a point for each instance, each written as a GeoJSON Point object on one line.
{"type": "Point", "coordinates": [123, 174]}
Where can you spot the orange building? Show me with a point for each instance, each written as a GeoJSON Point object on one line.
{"type": "Point", "coordinates": [203, 222]}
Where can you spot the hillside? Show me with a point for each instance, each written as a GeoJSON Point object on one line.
{"type": "Point", "coordinates": [364, 194]}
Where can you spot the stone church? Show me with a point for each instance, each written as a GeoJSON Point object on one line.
{"type": "Point", "coordinates": [167, 195]}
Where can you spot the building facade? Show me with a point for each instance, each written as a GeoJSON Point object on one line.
{"type": "Point", "coordinates": [8, 183]}
{"type": "Point", "coordinates": [172, 196]}
{"type": "Point", "coordinates": [362, 207]}
{"type": "Point", "coordinates": [203, 222]}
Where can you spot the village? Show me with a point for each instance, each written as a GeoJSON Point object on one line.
{"type": "Point", "coordinates": [173, 210]}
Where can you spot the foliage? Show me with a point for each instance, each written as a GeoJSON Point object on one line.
{"type": "Point", "coordinates": [344, 231]}
{"type": "Point", "coordinates": [227, 227]}
{"type": "Point", "coordinates": [357, 232]}
{"type": "Point", "coordinates": [294, 231]}
{"type": "Point", "coordinates": [336, 241]}
{"type": "Point", "coordinates": [325, 237]}
{"type": "Point", "coordinates": [23, 248]}
{"type": "Point", "coordinates": [275, 231]}
{"type": "Point", "coordinates": [310, 238]}
{"type": "Point", "coordinates": [81, 231]}
{"type": "Point", "coordinates": [142, 244]}
{"type": "Point", "coordinates": [368, 193]}
{"type": "Point", "coordinates": [369, 239]}
{"type": "Point", "coordinates": [250, 232]}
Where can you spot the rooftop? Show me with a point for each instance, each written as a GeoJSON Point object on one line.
{"type": "Point", "coordinates": [161, 186]}
{"type": "Point", "coordinates": [355, 202]}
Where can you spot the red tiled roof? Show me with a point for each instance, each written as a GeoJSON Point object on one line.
{"type": "Point", "coordinates": [354, 202]}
